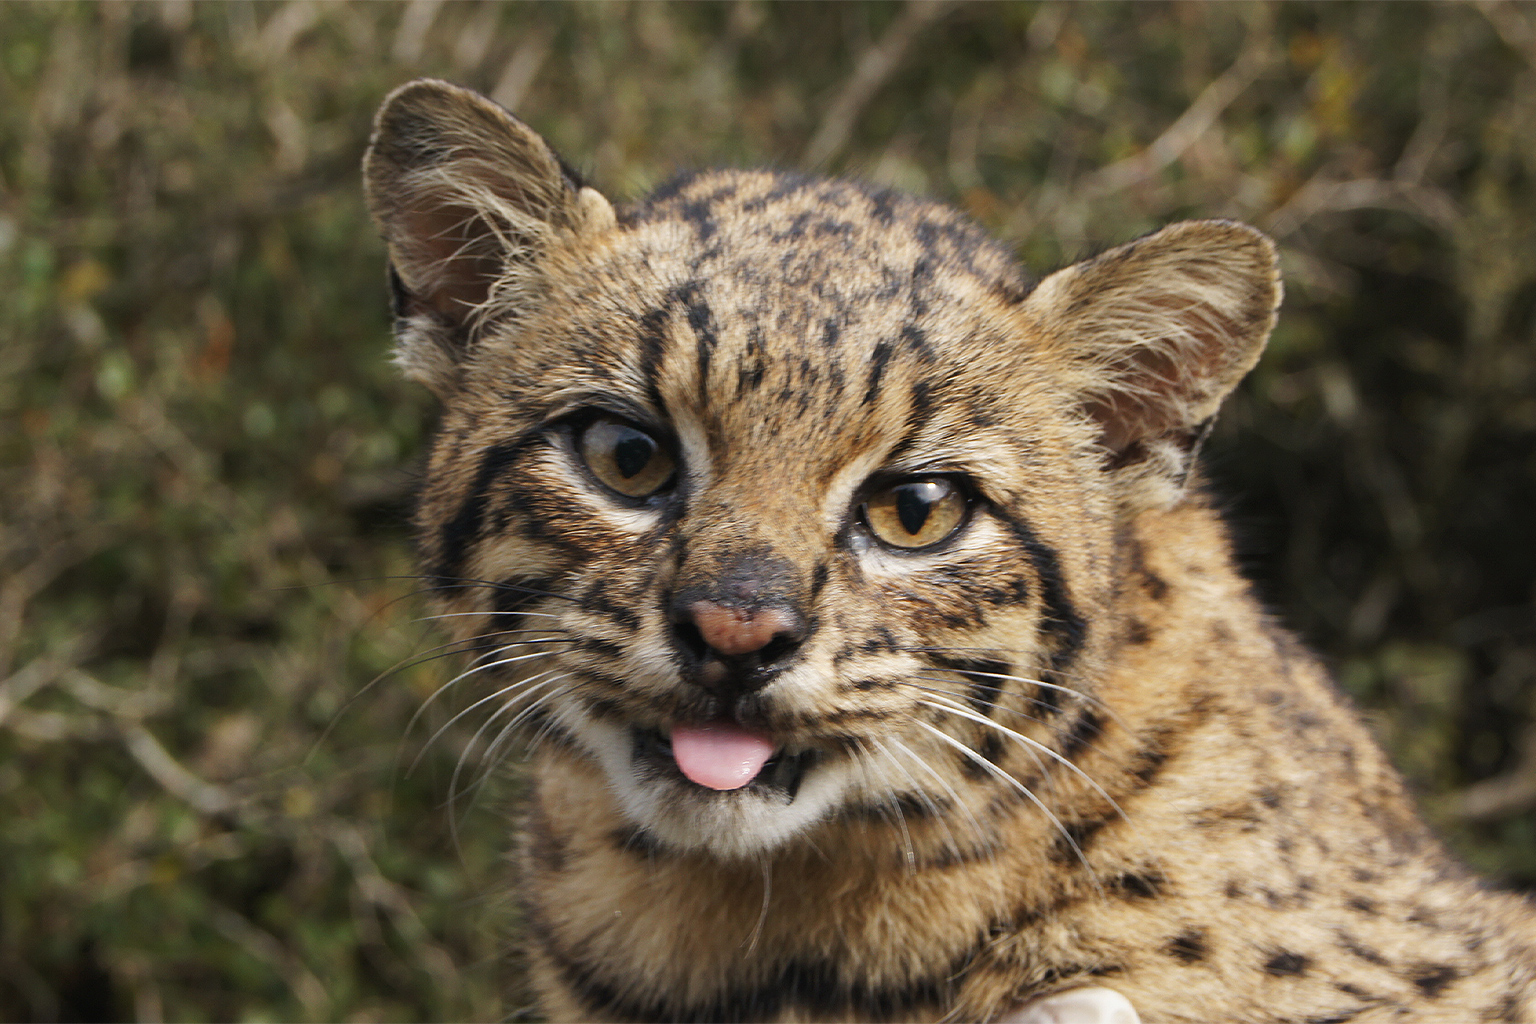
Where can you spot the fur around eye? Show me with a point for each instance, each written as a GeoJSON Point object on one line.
{"type": "Point", "coordinates": [915, 514]}
{"type": "Point", "coordinates": [625, 458]}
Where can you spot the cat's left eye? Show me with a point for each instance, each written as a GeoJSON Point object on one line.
{"type": "Point", "coordinates": [915, 513]}
{"type": "Point", "coordinates": [624, 457]}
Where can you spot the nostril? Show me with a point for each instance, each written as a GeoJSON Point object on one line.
{"type": "Point", "coordinates": [690, 641]}
{"type": "Point", "coordinates": [781, 646]}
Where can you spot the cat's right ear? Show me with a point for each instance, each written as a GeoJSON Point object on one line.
{"type": "Point", "coordinates": [468, 199]}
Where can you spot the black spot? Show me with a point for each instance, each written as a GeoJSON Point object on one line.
{"type": "Point", "coordinates": [1078, 834]}
{"type": "Point", "coordinates": [1336, 1018]}
{"type": "Point", "coordinates": [1362, 905]}
{"type": "Point", "coordinates": [1269, 797]}
{"type": "Point", "coordinates": [1014, 592]}
{"type": "Point", "coordinates": [863, 685]}
{"type": "Point", "coordinates": [1148, 763]}
{"type": "Point", "coordinates": [1354, 948]}
{"type": "Point", "coordinates": [1140, 886]}
{"type": "Point", "coordinates": [829, 333]}
{"type": "Point", "coordinates": [1287, 965]}
{"type": "Point", "coordinates": [1082, 731]}
{"type": "Point", "coordinates": [1234, 890]}
{"type": "Point", "coordinates": [1187, 948]}
{"type": "Point", "coordinates": [1136, 632]}
{"type": "Point", "coordinates": [1432, 979]}
{"type": "Point", "coordinates": [917, 340]}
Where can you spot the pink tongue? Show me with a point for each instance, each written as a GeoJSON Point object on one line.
{"type": "Point", "coordinates": [720, 756]}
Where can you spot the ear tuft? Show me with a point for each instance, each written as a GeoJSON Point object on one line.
{"type": "Point", "coordinates": [1158, 332]}
{"type": "Point", "coordinates": [468, 199]}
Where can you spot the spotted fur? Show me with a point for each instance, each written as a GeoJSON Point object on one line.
{"type": "Point", "coordinates": [1063, 746]}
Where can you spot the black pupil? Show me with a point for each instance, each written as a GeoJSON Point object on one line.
{"type": "Point", "coordinates": [632, 453]}
{"type": "Point", "coordinates": [914, 502]}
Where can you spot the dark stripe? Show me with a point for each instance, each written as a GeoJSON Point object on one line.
{"type": "Point", "coordinates": [802, 988]}
{"type": "Point", "coordinates": [599, 646]}
{"type": "Point", "coordinates": [1063, 624]}
{"type": "Point", "coordinates": [701, 320]}
{"type": "Point", "coordinates": [877, 361]}
{"type": "Point", "coordinates": [514, 594]}
{"type": "Point", "coordinates": [910, 805]}
{"type": "Point", "coordinates": [457, 534]}
{"type": "Point", "coordinates": [637, 840]}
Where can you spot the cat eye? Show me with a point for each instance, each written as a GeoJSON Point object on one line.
{"type": "Point", "coordinates": [915, 513]}
{"type": "Point", "coordinates": [624, 457]}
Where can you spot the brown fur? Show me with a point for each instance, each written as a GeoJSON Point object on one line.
{"type": "Point", "coordinates": [1062, 747]}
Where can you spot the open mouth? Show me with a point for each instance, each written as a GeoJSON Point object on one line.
{"type": "Point", "coordinates": [722, 756]}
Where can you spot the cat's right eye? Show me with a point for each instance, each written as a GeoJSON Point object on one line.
{"type": "Point", "coordinates": [911, 514]}
{"type": "Point", "coordinates": [624, 457]}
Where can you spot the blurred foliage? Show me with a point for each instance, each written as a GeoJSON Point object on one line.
{"type": "Point", "coordinates": [204, 454]}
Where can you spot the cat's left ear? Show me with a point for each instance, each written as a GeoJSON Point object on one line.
{"type": "Point", "coordinates": [469, 200]}
{"type": "Point", "coordinates": [1155, 334]}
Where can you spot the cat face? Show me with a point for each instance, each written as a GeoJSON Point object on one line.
{"type": "Point", "coordinates": [781, 499]}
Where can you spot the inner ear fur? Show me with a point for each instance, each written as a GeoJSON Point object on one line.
{"type": "Point", "coordinates": [467, 198]}
{"type": "Point", "coordinates": [1156, 333]}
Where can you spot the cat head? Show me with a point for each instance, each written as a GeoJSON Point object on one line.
{"type": "Point", "coordinates": [762, 491]}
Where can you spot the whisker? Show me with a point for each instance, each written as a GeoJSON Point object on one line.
{"type": "Point", "coordinates": [449, 649]}
{"type": "Point", "coordinates": [895, 805]}
{"type": "Point", "coordinates": [1115, 759]}
{"type": "Point", "coordinates": [1088, 698]}
{"type": "Point", "coordinates": [488, 611]}
{"type": "Point", "coordinates": [483, 700]}
{"type": "Point", "coordinates": [475, 670]}
{"type": "Point", "coordinates": [956, 709]}
{"type": "Point", "coordinates": [762, 914]}
{"type": "Point", "coordinates": [943, 784]}
{"type": "Point", "coordinates": [933, 808]}
{"type": "Point", "coordinates": [453, 781]}
{"type": "Point", "coordinates": [491, 752]}
{"type": "Point", "coordinates": [1016, 784]}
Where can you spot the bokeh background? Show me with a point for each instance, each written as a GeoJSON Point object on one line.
{"type": "Point", "coordinates": [206, 812]}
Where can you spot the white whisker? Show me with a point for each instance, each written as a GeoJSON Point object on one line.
{"type": "Point", "coordinates": [1016, 784]}
{"type": "Point", "coordinates": [956, 709]}
{"type": "Point", "coordinates": [465, 675]}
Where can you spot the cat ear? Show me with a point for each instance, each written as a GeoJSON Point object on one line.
{"type": "Point", "coordinates": [1158, 332]}
{"type": "Point", "coordinates": [468, 199]}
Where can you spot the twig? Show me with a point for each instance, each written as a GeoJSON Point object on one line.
{"type": "Point", "coordinates": [265, 947]}
{"type": "Point", "coordinates": [522, 68]}
{"type": "Point", "coordinates": [389, 897]}
{"type": "Point", "coordinates": [875, 66]}
{"type": "Point", "coordinates": [1320, 195]}
{"type": "Point", "coordinates": [415, 23]}
{"type": "Point", "coordinates": [1502, 795]}
{"type": "Point", "coordinates": [1512, 27]}
{"type": "Point", "coordinates": [202, 796]}
{"type": "Point", "coordinates": [1212, 102]}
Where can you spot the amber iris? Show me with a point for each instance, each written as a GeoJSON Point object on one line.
{"type": "Point", "coordinates": [625, 458]}
{"type": "Point", "coordinates": [915, 513]}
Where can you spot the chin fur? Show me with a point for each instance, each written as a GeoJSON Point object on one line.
{"type": "Point", "coordinates": [685, 817]}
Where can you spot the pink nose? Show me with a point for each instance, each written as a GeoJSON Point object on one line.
{"type": "Point", "coordinates": [731, 631]}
